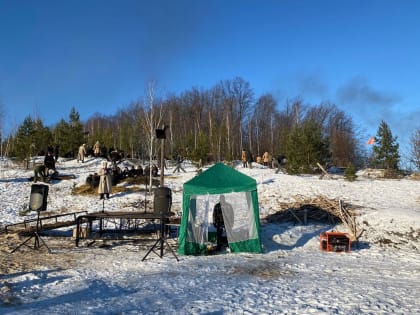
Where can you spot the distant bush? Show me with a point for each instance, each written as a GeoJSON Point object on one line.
{"type": "Point", "coordinates": [392, 174]}
{"type": "Point", "coordinates": [350, 173]}
{"type": "Point", "coordinates": [415, 176]}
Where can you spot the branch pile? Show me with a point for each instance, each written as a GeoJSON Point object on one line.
{"type": "Point", "coordinates": [319, 208]}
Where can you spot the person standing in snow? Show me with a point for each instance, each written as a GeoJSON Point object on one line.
{"type": "Point", "coordinates": [244, 158]}
{"type": "Point", "coordinates": [266, 158]}
{"type": "Point", "coordinates": [97, 149]}
{"type": "Point", "coordinates": [178, 166]}
{"type": "Point", "coordinates": [81, 154]}
{"type": "Point", "coordinates": [219, 224]}
{"type": "Point", "coordinates": [105, 181]}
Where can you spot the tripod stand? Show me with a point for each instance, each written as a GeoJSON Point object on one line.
{"type": "Point", "coordinates": [37, 238]}
{"type": "Point", "coordinates": [161, 241]}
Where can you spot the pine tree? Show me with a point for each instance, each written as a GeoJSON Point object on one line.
{"type": "Point", "coordinates": [42, 137]}
{"type": "Point", "coordinates": [76, 136]}
{"type": "Point", "coordinates": [25, 140]}
{"type": "Point", "coordinates": [306, 147]}
{"type": "Point", "coordinates": [385, 149]}
{"type": "Point", "coordinates": [350, 172]}
{"type": "Point", "coordinates": [62, 138]}
{"type": "Point", "coordinates": [32, 138]}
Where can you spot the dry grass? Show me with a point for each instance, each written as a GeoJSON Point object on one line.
{"type": "Point", "coordinates": [26, 259]}
{"type": "Point", "coordinates": [128, 185]}
{"type": "Point", "coordinates": [88, 190]}
{"type": "Point", "coordinates": [415, 176]}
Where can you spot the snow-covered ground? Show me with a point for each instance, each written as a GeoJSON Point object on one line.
{"type": "Point", "coordinates": [292, 276]}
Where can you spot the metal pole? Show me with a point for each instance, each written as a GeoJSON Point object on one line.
{"type": "Point", "coordinates": [162, 161]}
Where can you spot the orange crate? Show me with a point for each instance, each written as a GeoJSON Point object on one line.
{"type": "Point", "coordinates": [334, 242]}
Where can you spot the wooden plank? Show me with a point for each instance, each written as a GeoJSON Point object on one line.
{"type": "Point", "coordinates": [325, 173]}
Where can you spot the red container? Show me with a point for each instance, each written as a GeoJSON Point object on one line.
{"type": "Point", "coordinates": [334, 242]}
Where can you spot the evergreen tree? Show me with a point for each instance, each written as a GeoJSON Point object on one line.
{"type": "Point", "coordinates": [62, 138]}
{"type": "Point", "coordinates": [350, 172]}
{"type": "Point", "coordinates": [25, 140]}
{"type": "Point", "coordinates": [32, 138]}
{"type": "Point", "coordinates": [69, 135]}
{"type": "Point", "coordinates": [201, 150]}
{"type": "Point", "coordinates": [75, 135]}
{"type": "Point", "coordinates": [42, 137]}
{"type": "Point", "coordinates": [385, 149]}
{"type": "Point", "coordinates": [306, 147]}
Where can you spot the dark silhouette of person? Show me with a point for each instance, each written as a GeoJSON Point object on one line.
{"type": "Point", "coordinates": [178, 166]}
{"type": "Point", "coordinates": [219, 224]}
{"type": "Point", "coordinates": [49, 162]}
{"type": "Point", "coordinates": [223, 217]}
{"type": "Point", "coordinates": [39, 172]}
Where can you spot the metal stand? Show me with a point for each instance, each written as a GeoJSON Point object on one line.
{"type": "Point", "coordinates": [161, 241]}
{"type": "Point", "coordinates": [101, 221]}
{"type": "Point", "coordinates": [37, 239]}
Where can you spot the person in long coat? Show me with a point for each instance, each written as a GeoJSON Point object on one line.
{"type": "Point", "coordinates": [105, 181]}
{"type": "Point", "coordinates": [266, 158]}
{"type": "Point", "coordinates": [97, 149]}
{"type": "Point", "coordinates": [244, 158]}
{"type": "Point", "coordinates": [81, 154]}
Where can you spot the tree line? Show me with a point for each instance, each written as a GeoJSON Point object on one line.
{"type": "Point", "coordinates": [216, 124]}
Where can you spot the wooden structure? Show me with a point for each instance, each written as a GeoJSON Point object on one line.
{"type": "Point", "coordinates": [47, 222]}
{"type": "Point", "coordinates": [319, 208]}
{"type": "Point", "coordinates": [122, 221]}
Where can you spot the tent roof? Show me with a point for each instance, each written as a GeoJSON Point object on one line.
{"type": "Point", "coordinates": [219, 179]}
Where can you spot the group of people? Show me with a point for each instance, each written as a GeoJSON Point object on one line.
{"type": "Point", "coordinates": [247, 159]}
{"type": "Point", "coordinates": [266, 159]}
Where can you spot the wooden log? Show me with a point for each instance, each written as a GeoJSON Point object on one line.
{"type": "Point", "coordinates": [324, 172]}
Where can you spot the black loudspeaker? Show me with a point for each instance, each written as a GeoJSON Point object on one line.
{"type": "Point", "coordinates": [162, 205]}
{"type": "Point", "coordinates": [162, 200]}
{"type": "Point", "coordinates": [160, 133]}
{"type": "Point", "coordinates": [38, 198]}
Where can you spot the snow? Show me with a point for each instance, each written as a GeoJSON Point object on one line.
{"type": "Point", "coordinates": [291, 276]}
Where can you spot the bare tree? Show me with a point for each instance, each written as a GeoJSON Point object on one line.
{"type": "Point", "coordinates": [217, 131]}
{"type": "Point", "coordinates": [153, 119]}
{"type": "Point", "coordinates": [264, 113]}
{"type": "Point", "coordinates": [1, 128]}
{"type": "Point", "coordinates": [415, 148]}
{"type": "Point", "coordinates": [243, 96]}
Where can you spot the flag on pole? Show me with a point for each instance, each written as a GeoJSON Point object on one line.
{"type": "Point", "coordinates": [371, 140]}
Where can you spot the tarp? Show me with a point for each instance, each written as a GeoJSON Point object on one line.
{"type": "Point", "coordinates": [238, 196]}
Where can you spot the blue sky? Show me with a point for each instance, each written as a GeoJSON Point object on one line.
{"type": "Point", "coordinates": [98, 56]}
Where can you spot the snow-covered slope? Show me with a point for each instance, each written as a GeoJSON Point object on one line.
{"type": "Point", "coordinates": [380, 276]}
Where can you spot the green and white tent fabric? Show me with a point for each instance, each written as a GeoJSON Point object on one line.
{"type": "Point", "coordinates": [238, 196]}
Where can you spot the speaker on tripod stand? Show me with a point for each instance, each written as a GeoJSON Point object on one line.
{"type": "Point", "coordinates": [162, 203]}
{"type": "Point", "coordinates": [38, 203]}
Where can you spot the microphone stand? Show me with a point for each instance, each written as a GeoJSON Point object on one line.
{"type": "Point", "coordinates": [162, 240]}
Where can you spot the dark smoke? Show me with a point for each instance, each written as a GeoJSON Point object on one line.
{"type": "Point", "coordinates": [358, 91]}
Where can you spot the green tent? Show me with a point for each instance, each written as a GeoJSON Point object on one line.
{"type": "Point", "coordinates": [238, 196]}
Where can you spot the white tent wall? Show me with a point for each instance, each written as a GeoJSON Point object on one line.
{"type": "Point", "coordinates": [237, 214]}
